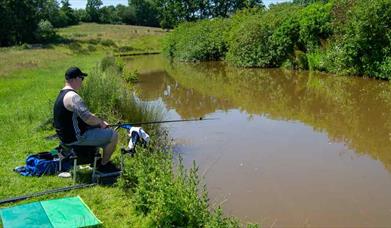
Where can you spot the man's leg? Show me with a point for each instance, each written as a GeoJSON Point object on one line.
{"type": "Point", "coordinates": [105, 138]}
{"type": "Point", "coordinates": [110, 148]}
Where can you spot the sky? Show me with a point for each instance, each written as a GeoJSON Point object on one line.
{"type": "Point", "coordinates": [81, 4]}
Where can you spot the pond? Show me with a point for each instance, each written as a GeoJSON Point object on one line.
{"type": "Point", "coordinates": [288, 148]}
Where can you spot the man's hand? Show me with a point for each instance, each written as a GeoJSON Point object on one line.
{"type": "Point", "coordinates": [103, 124]}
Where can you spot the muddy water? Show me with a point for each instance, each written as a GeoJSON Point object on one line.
{"type": "Point", "coordinates": [289, 149]}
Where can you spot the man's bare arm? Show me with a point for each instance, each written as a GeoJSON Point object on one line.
{"type": "Point", "coordinates": [80, 108]}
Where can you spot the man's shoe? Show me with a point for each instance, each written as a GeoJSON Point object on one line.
{"type": "Point", "coordinates": [109, 167]}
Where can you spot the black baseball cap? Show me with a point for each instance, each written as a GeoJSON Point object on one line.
{"type": "Point", "coordinates": [74, 72]}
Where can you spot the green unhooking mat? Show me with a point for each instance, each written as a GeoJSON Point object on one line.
{"type": "Point", "coordinates": [65, 212]}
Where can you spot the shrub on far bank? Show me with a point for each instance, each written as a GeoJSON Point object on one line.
{"type": "Point", "coordinates": [315, 25]}
{"type": "Point", "coordinates": [198, 41]}
{"type": "Point", "coordinates": [364, 45]}
{"type": "Point", "coordinates": [263, 38]}
{"type": "Point", "coordinates": [249, 43]}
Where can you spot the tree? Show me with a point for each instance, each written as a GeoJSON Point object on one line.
{"type": "Point", "coordinates": [19, 20]}
{"type": "Point", "coordinates": [92, 9]}
{"type": "Point", "coordinates": [50, 10]}
{"type": "Point", "coordinates": [126, 13]}
{"type": "Point", "coordinates": [224, 8]}
{"type": "Point", "coordinates": [146, 12]}
{"type": "Point", "coordinates": [109, 14]}
{"type": "Point", "coordinates": [69, 12]}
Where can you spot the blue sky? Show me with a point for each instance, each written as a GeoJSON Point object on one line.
{"type": "Point", "coordinates": [82, 3]}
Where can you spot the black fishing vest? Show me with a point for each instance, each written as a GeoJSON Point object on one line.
{"type": "Point", "coordinates": [67, 124]}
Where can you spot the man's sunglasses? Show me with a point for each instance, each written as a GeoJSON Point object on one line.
{"type": "Point", "coordinates": [82, 78]}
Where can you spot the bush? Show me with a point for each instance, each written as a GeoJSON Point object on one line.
{"type": "Point", "coordinates": [263, 38]}
{"type": "Point", "coordinates": [315, 25]}
{"type": "Point", "coordinates": [249, 43]}
{"type": "Point", "coordinates": [45, 31]}
{"type": "Point", "coordinates": [363, 47]}
{"type": "Point", "coordinates": [198, 41]}
{"type": "Point", "coordinates": [385, 69]}
{"type": "Point", "coordinates": [283, 41]}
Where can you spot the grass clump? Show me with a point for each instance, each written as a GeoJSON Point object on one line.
{"type": "Point", "coordinates": [131, 77]}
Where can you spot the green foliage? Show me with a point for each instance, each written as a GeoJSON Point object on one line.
{"type": "Point", "coordinates": [145, 12]}
{"type": "Point", "coordinates": [19, 21]}
{"type": "Point", "coordinates": [315, 25]}
{"type": "Point", "coordinates": [285, 37]}
{"type": "Point", "coordinates": [263, 38]}
{"type": "Point", "coordinates": [127, 14]}
{"type": "Point", "coordinates": [167, 195]}
{"type": "Point", "coordinates": [249, 43]}
{"type": "Point", "coordinates": [71, 17]}
{"type": "Point", "coordinates": [109, 15]}
{"type": "Point", "coordinates": [45, 31]}
{"type": "Point", "coordinates": [363, 47]}
{"type": "Point", "coordinates": [308, 2]}
{"type": "Point", "coordinates": [317, 61]}
{"type": "Point", "coordinates": [193, 41]}
{"type": "Point", "coordinates": [92, 10]}
{"type": "Point", "coordinates": [131, 77]}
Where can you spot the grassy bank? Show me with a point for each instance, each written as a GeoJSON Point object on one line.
{"type": "Point", "coordinates": [151, 193]}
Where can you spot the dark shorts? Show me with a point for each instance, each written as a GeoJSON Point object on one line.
{"type": "Point", "coordinates": [99, 137]}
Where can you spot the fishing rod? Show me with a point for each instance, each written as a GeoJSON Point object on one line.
{"type": "Point", "coordinates": [56, 190]}
{"type": "Point", "coordinates": [54, 136]}
{"type": "Point", "coordinates": [159, 122]}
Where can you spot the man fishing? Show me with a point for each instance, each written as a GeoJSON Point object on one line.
{"type": "Point", "coordinates": [76, 125]}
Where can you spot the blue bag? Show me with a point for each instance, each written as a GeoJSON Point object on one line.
{"type": "Point", "coordinates": [43, 163]}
